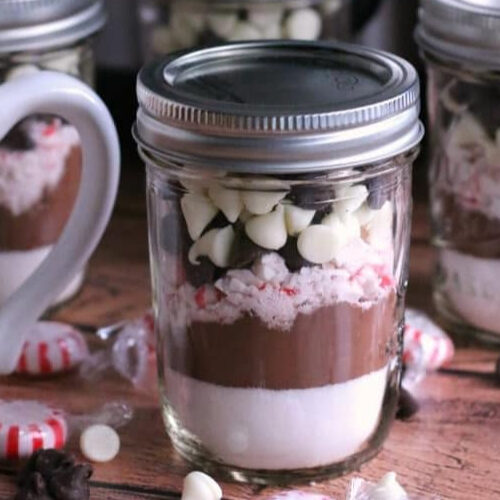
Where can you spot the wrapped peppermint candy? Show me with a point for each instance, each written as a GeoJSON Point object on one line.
{"type": "Point", "coordinates": [28, 426]}
{"type": "Point", "coordinates": [426, 346]}
{"type": "Point", "coordinates": [51, 348]}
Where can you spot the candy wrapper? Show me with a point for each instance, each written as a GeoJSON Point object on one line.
{"type": "Point", "coordinates": [426, 346]}
{"type": "Point", "coordinates": [130, 351]}
{"type": "Point", "coordinates": [27, 426]}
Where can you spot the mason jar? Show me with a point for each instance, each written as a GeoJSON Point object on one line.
{"type": "Point", "coordinates": [279, 199]}
{"type": "Point", "coordinates": [170, 25]}
{"type": "Point", "coordinates": [40, 159]}
{"type": "Point", "coordinates": [460, 42]}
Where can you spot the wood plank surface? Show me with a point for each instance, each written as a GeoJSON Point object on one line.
{"type": "Point", "coordinates": [449, 450]}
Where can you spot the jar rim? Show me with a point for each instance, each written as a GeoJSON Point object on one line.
{"type": "Point", "coordinates": [48, 24]}
{"type": "Point", "coordinates": [357, 105]}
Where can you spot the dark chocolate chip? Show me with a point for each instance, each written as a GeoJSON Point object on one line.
{"type": "Point", "coordinates": [315, 197]}
{"type": "Point", "coordinates": [218, 222]}
{"type": "Point", "coordinates": [201, 274]}
{"type": "Point", "coordinates": [35, 488]}
{"type": "Point", "coordinates": [18, 140]}
{"type": "Point", "coordinates": [244, 251]}
{"type": "Point", "coordinates": [321, 212]}
{"type": "Point", "coordinates": [71, 483]}
{"type": "Point", "coordinates": [294, 261]}
{"type": "Point", "coordinates": [407, 405]}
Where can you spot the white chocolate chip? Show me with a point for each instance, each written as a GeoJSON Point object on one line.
{"type": "Point", "coordinates": [222, 24]}
{"type": "Point", "coordinates": [265, 17]}
{"type": "Point", "coordinates": [99, 443]}
{"type": "Point", "coordinates": [261, 202]}
{"type": "Point", "coordinates": [468, 131]}
{"type": "Point", "coordinates": [346, 228]}
{"type": "Point", "coordinates": [319, 244]}
{"type": "Point", "coordinates": [22, 70]}
{"type": "Point", "coordinates": [350, 198]}
{"type": "Point", "coordinates": [183, 33]}
{"type": "Point", "coordinates": [269, 230]}
{"type": "Point", "coordinates": [216, 244]}
{"type": "Point", "coordinates": [297, 219]}
{"type": "Point", "coordinates": [303, 24]}
{"type": "Point", "coordinates": [227, 200]}
{"type": "Point", "coordinates": [198, 211]}
{"type": "Point", "coordinates": [244, 31]}
{"type": "Point", "coordinates": [272, 32]}
{"type": "Point", "coordinates": [200, 486]}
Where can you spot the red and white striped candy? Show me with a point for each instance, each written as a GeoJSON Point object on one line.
{"type": "Point", "coordinates": [426, 345]}
{"type": "Point", "coordinates": [51, 348]}
{"type": "Point", "coordinates": [27, 426]}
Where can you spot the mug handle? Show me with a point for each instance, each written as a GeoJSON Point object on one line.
{"type": "Point", "coordinates": [59, 94]}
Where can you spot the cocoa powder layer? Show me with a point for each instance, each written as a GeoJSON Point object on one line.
{"type": "Point", "coordinates": [44, 222]}
{"type": "Point", "coordinates": [471, 231]}
{"type": "Point", "coordinates": [332, 345]}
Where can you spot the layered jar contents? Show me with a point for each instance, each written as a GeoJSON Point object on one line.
{"type": "Point", "coordinates": [279, 307]}
{"type": "Point", "coordinates": [181, 24]}
{"type": "Point", "coordinates": [465, 192]}
{"type": "Point", "coordinates": [40, 161]}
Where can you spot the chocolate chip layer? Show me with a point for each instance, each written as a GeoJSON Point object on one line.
{"type": "Point", "coordinates": [332, 345]}
{"type": "Point", "coordinates": [44, 222]}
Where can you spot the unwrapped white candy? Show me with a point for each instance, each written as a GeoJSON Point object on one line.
{"type": "Point", "coordinates": [200, 486]}
{"type": "Point", "coordinates": [99, 443]}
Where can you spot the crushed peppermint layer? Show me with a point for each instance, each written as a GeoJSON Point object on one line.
{"type": "Point", "coordinates": [276, 296]}
{"type": "Point", "coordinates": [26, 175]}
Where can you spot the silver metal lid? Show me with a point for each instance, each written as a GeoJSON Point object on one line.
{"type": "Point", "coordinates": [461, 30]}
{"type": "Point", "coordinates": [279, 106]}
{"type": "Point", "coordinates": [45, 24]}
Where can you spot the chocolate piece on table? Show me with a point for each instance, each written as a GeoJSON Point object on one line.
{"type": "Point", "coordinates": [53, 475]}
{"type": "Point", "coordinates": [407, 406]}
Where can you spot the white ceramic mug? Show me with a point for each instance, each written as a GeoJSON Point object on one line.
{"type": "Point", "coordinates": [62, 95]}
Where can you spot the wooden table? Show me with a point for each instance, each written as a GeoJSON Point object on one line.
{"type": "Point", "coordinates": [451, 449]}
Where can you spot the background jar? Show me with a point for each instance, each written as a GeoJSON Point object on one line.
{"type": "Point", "coordinates": [461, 46]}
{"type": "Point", "coordinates": [171, 25]}
{"type": "Point", "coordinates": [279, 251]}
{"type": "Point", "coordinates": [40, 159]}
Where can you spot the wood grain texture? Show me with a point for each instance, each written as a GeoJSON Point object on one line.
{"type": "Point", "coordinates": [450, 450]}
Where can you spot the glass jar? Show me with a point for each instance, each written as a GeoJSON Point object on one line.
{"type": "Point", "coordinates": [464, 102]}
{"type": "Point", "coordinates": [279, 224]}
{"type": "Point", "coordinates": [40, 159]}
{"type": "Point", "coordinates": [167, 26]}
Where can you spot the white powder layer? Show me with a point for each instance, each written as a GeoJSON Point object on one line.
{"type": "Point", "coordinates": [280, 429]}
{"type": "Point", "coordinates": [17, 266]}
{"type": "Point", "coordinates": [360, 275]}
{"type": "Point", "coordinates": [26, 175]}
{"type": "Point", "coordinates": [473, 288]}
